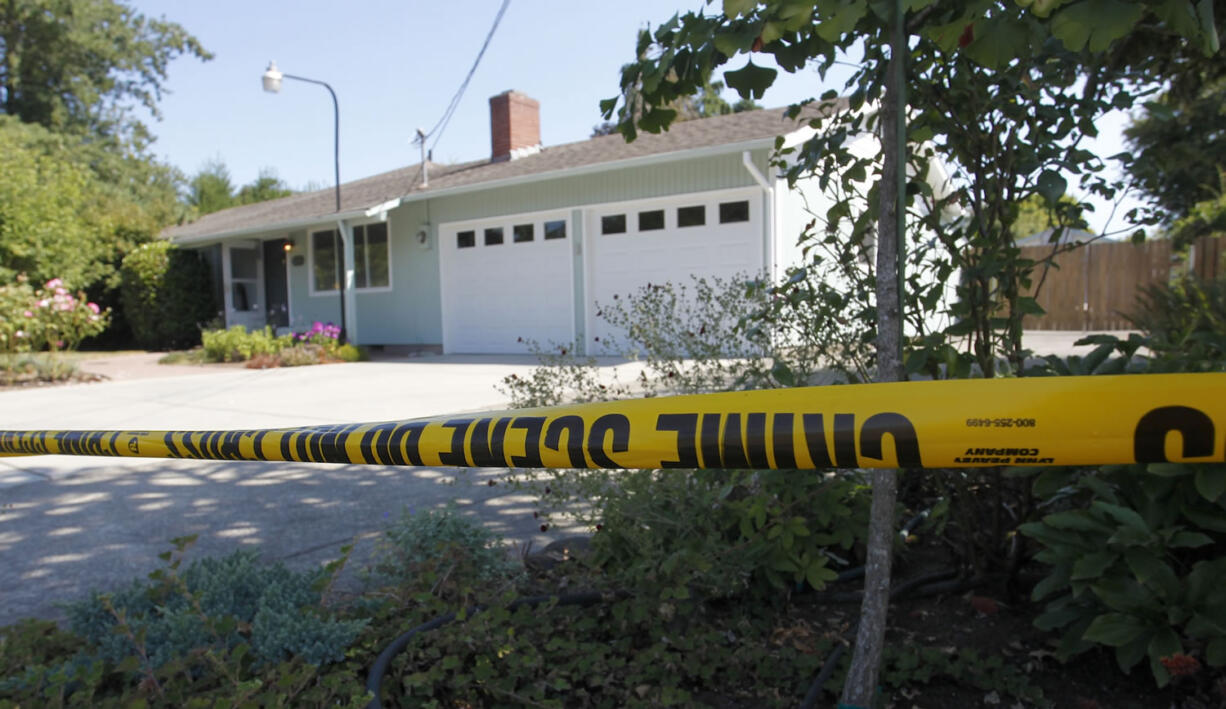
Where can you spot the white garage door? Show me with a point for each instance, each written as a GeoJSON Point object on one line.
{"type": "Point", "coordinates": [506, 279]}
{"type": "Point", "coordinates": [636, 243]}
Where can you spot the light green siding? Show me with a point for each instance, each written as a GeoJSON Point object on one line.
{"type": "Point", "coordinates": [410, 313]}
{"type": "Point", "coordinates": [698, 175]}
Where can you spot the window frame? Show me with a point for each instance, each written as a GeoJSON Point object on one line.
{"type": "Point", "coordinates": [353, 228]}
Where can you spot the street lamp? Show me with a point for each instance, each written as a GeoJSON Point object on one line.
{"type": "Point", "coordinates": [272, 84]}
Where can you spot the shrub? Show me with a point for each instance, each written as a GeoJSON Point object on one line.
{"type": "Point", "coordinates": [1185, 323]}
{"type": "Point", "coordinates": [441, 552]}
{"type": "Point", "coordinates": [726, 532]}
{"type": "Point", "coordinates": [237, 344]}
{"type": "Point", "coordinates": [50, 317]}
{"type": "Point", "coordinates": [216, 603]}
{"type": "Point", "coordinates": [230, 631]}
{"type": "Point", "coordinates": [1136, 563]}
{"type": "Point", "coordinates": [166, 294]}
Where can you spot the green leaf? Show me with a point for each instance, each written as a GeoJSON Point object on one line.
{"type": "Point", "coordinates": [1149, 569]}
{"type": "Point", "coordinates": [1211, 482]}
{"type": "Point", "coordinates": [1115, 629]}
{"type": "Point", "coordinates": [736, 8]}
{"type": "Point", "coordinates": [1165, 643]}
{"type": "Point", "coordinates": [1190, 540]}
{"type": "Point", "coordinates": [1204, 12]}
{"type": "Point", "coordinates": [1051, 186]}
{"type": "Point", "coordinates": [1123, 515]}
{"type": "Point", "coordinates": [838, 18]}
{"type": "Point", "coordinates": [1092, 566]}
{"type": "Point", "coordinates": [1094, 23]}
{"type": "Point", "coordinates": [750, 81]}
{"type": "Point", "coordinates": [998, 41]}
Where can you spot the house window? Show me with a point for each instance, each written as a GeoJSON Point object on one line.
{"type": "Point", "coordinates": [465, 240]}
{"type": "Point", "coordinates": [730, 212]}
{"type": "Point", "coordinates": [555, 229]}
{"type": "Point", "coordinates": [371, 258]}
{"type": "Point", "coordinates": [325, 260]}
{"type": "Point", "coordinates": [522, 232]}
{"type": "Point", "coordinates": [651, 221]}
{"type": "Point", "coordinates": [692, 216]}
{"type": "Point", "coordinates": [613, 224]}
{"type": "Point", "coordinates": [493, 236]}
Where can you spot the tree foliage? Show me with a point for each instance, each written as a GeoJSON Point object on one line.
{"type": "Point", "coordinates": [1004, 92]}
{"type": "Point", "coordinates": [211, 189]}
{"type": "Point", "coordinates": [81, 65]}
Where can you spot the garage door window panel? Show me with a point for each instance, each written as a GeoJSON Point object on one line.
{"type": "Point", "coordinates": [555, 229]}
{"type": "Point", "coordinates": [523, 232]}
{"type": "Point", "coordinates": [732, 212]}
{"type": "Point", "coordinates": [652, 220]}
{"type": "Point", "coordinates": [493, 236]}
{"type": "Point", "coordinates": [465, 239]}
{"type": "Point", "coordinates": [692, 216]}
{"type": "Point", "coordinates": [613, 224]}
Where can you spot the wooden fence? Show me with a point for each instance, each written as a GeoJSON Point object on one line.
{"type": "Point", "coordinates": [1095, 286]}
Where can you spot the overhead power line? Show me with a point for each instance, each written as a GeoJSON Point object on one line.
{"type": "Point", "coordinates": [437, 131]}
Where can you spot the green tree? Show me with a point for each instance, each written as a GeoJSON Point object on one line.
{"type": "Point", "coordinates": [80, 65]}
{"type": "Point", "coordinates": [1179, 148]}
{"type": "Point", "coordinates": [265, 187]}
{"type": "Point", "coordinates": [1004, 91]}
{"type": "Point", "coordinates": [211, 189]}
{"type": "Point", "coordinates": [51, 210]}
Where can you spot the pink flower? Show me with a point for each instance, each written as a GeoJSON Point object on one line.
{"type": "Point", "coordinates": [53, 283]}
{"type": "Point", "coordinates": [66, 306]}
{"type": "Point", "coordinates": [44, 302]}
{"type": "Point", "coordinates": [61, 291]}
{"type": "Point", "coordinates": [20, 333]}
{"type": "Point", "coordinates": [94, 307]}
{"type": "Point", "coordinates": [29, 314]}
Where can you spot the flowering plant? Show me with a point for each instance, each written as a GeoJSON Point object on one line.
{"type": "Point", "coordinates": [51, 317]}
{"type": "Point", "coordinates": [320, 334]}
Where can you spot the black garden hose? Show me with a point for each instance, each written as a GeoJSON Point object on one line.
{"type": "Point", "coordinates": [374, 680]}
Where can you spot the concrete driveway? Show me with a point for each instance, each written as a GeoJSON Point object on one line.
{"type": "Point", "coordinates": [69, 524]}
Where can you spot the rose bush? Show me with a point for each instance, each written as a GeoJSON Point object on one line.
{"type": "Point", "coordinates": [48, 318]}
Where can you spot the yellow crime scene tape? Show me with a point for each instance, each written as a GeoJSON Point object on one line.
{"type": "Point", "coordinates": [1036, 421]}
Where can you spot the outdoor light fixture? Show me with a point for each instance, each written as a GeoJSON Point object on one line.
{"type": "Point", "coordinates": [272, 84]}
{"type": "Point", "coordinates": [288, 245]}
{"type": "Point", "coordinates": [272, 79]}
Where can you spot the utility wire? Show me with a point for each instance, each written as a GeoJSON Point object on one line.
{"type": "Point", "coordinates": [437, 130]}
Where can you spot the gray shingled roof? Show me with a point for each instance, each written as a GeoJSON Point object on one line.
{"type": "Point", "coordinates": [369, 192]}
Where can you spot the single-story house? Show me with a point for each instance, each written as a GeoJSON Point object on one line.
{"type": "Point", "coordinates": [470, 258]}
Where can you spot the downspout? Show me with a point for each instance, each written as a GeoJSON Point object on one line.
{"type": "Point", "coordinates": [769, 218]}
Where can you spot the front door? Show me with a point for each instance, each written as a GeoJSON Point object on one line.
{"type": "Point", "coordinates": [276, 284]}
{"type": "Point", "coordinates": [243, 267]}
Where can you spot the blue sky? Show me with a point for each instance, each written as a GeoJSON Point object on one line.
{"type": "Point", "coordinates": [395, 66]}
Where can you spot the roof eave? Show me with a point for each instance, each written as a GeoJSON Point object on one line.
{"type": "Point", "coordinates": [274, 226]}
{"type": "Point", "coordinates": [641, 161]}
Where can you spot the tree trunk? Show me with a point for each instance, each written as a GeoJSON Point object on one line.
{"type": "Point", "coordinates": [859, 688]}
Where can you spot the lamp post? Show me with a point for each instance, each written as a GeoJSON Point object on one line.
{"type": "Point", "coordinates": [272, 84]}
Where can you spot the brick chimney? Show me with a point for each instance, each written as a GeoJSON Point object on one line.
{"type": "Point", "coordinates": [515, 126]}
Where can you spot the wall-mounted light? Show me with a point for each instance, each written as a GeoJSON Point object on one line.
{"type": "Point", "coordinates": [288, 245]}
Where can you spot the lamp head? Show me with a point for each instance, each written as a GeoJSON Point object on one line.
{"type": "Point", "coordinates": [272, 78]}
